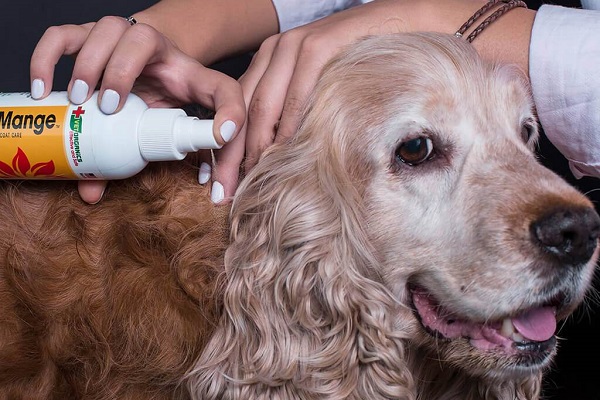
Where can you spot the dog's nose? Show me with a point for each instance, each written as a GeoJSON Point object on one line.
{"type": "Point", "coordinates": [570, 234]}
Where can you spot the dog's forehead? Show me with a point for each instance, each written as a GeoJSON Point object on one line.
{"type": "Point", "coordinates": [438, 88]}
{"type": "Point", "coordinates": [490, 107]}
{"type": "Point", "coordinates": [401, 86]}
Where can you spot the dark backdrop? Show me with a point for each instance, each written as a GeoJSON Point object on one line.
{"type": "Point", "coordinates": [575, 375]}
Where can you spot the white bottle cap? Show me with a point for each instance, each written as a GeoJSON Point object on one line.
{"type": "Point", "coordinates": [167, 134]}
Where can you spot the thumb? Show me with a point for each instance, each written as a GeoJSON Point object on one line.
{"type": "Point", "coordinates": [92, 191]}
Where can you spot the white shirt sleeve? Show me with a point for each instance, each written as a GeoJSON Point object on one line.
{"type": "Point", "coordinates": [293, 13]}
{"type": "Point", "coordinates": [564, 68]}
{"type": "Point", "coordinates": [591, 4]}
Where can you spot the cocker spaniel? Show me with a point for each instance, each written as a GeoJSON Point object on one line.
{"type": "Point", "coordinates": [406, 244]}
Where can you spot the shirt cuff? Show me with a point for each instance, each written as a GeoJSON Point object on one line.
{"type": "Point", "coordinates": [294, 13]}
{"type": "Point", "coordinates": [564, 59]}
{"type": "Point", "coordinates": [591, 4]}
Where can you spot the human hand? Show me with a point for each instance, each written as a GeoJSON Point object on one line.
{"type": "Point", "coordinates": [117, 55]}
{"type": "Point", "coordinates": [285, 70]}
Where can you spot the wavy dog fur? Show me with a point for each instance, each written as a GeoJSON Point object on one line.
{"type": "Point", "coordinates": [112, 301]}
{"type": "Point", "coordinates": [329, 231]}
{"type": "Point", "coordinates": [143, 296]}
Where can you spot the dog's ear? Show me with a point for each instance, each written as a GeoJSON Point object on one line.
{"type": "Point", "coordinates": [305, 315]}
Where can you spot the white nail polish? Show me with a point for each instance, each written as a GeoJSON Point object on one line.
{"type": "Point", "coordinates": [37, 88]}
{"type": "Point", "coordinates": [204, 173]}
{"type": "Point", "coordinates": [110, 101]}
{"type": "Point", "coordinates": [79, 92]}
{"type": "Point", "coordinates": [227, 130]}
{"type": "Point", "coordinates": [217, 194]}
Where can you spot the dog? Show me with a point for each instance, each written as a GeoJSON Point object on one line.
{"type": "Point", "coordinates": [405, 244]}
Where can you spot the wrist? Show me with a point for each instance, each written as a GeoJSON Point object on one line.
{"type": "Point", "coordinates": [443, 16]}
{"type": "Point", "coordinates": [506, 40]}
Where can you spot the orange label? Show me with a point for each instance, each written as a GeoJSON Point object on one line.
{"type": "Point", "coordinates": [31, 143]}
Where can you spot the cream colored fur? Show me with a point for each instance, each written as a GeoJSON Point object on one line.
{"type": "Point", "coordinates": [328, 230]}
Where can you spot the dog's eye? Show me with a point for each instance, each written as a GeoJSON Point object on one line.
{"type": "Point", "coordinates": [415, 151]}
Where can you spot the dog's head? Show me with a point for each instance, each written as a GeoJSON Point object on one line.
{"type": "Point", "coordinates": [490, 248]}
{"type": "Point", "coordinates": [409, 209]}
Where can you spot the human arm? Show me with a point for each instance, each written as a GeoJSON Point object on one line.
{"type": "Point", "coordinates": [210, 30]}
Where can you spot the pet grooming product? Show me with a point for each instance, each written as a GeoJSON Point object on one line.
{"type": "Point", "coordinates": [54, 139]}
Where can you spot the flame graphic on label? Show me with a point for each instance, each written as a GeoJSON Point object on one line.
{"type": "Point", "coordinates": [22, 168]}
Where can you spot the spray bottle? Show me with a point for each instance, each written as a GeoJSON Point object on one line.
{"type": "Point", "coordinates": [54, 139]}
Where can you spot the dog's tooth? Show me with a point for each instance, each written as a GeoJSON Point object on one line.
{"type": "Point", "coordinates": [507, 328]}
{"type": "Point", "coordinates": [517, 337]}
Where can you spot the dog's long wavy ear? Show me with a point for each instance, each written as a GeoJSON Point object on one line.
{"type": "Point", "coordinates": [304, 313]}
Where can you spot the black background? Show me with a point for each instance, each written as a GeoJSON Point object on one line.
{"type": "Point", "coordinates": [575, 375]}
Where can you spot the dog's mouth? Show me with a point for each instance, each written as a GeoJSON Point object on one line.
{"type": "Point", "coordinates": [528, 335]}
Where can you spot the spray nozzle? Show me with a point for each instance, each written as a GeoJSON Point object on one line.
{"type": "Point", "coordinates": [169, 134]}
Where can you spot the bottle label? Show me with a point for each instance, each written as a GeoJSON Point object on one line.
{"type": "Point", "coordinates": [32, 144]}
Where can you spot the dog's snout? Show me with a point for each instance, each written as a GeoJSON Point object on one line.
{"type": "Point", "coordinates": [570, 234]}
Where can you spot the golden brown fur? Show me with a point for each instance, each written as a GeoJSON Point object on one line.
{"type": "Point", "coordinates": [112, 301]}
{"type": "Point", "coordinates": [328, 233]}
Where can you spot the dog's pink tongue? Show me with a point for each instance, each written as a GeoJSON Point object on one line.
{"type": "Point", "coordinates": [537, 325]}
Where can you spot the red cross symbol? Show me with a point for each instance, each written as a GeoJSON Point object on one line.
{"type": "Point", "coordinates": [77, 113]}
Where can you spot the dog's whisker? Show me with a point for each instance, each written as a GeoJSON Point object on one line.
{"type": "Point", "coordinates": [589, 192]}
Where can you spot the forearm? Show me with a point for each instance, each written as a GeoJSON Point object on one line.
{"type": "Point", "coordinates": [505, 40]}
{"type": "Point", "coordinates": [210, 30]}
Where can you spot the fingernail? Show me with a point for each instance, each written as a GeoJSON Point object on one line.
{"type": "Point", "coordinates": [204, 173]}
{"type": "Point", "coordinates": [79, 92]}
{"type": "Point", "coordinates": [99, 198]}
{"type": "Point", "coordinates": [37, 88]}
{"type": "Point", "coordinates": [110, 101]}
{"type": "Point", "coordinates": [217, 193]}
{"type": "Point", "coordinates": [227, 130]}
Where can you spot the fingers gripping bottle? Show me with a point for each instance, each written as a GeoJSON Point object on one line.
{"type": "Point", "coordinates": [54, 139]}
